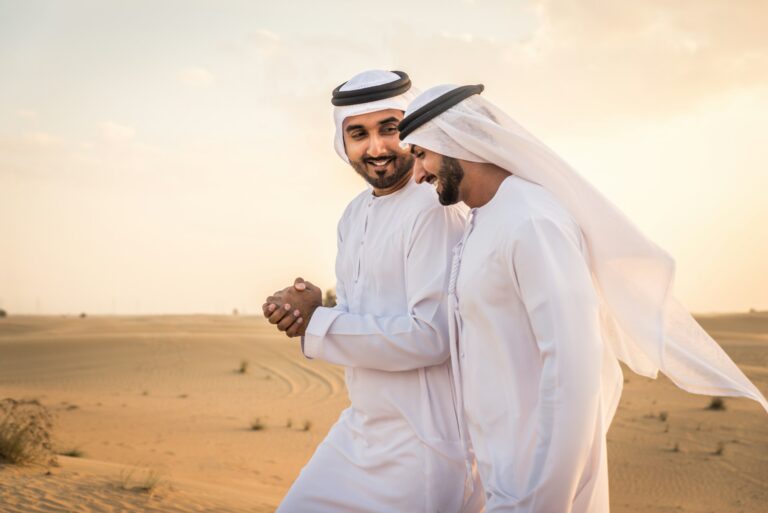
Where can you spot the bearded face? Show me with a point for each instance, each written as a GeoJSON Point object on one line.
{"type": "Point", "coordinates": [383, 171]}
{"type": "Point", "coordinates": [373, 148]}
{"type": "Point", "coordinates": [449, 176]}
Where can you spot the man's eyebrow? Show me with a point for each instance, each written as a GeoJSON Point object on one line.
{"type": "Point", "coordinates": [392, 119]}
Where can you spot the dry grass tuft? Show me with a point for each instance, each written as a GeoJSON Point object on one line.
{"type": "Point", "coordinates": [25, 432]}
{"type": "Point", "coordinates": [720, 449]}
{"type": "Point", "coordinates": [717, 404]}
{"type": "Point", "coordinates": [135, 480]}
{"type": "Point", "coordinates": [307, 425]}
{"type": "Point", "coordinates": [256, 424]}
{"type": "Point", "coordinates": [73, 453]}
{"type": "Point", "coordinates": [244, 364]}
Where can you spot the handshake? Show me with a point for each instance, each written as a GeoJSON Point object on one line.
{"type": "Point", "coordinates": [291, 308]}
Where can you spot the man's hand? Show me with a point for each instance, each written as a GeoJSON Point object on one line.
{"type": "Point", "coordinates": [291, 308]}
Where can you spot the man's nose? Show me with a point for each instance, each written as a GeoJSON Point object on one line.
{"type": "Point", "coordinates": [419, 173]}
{"type": "Point", "coordinates": [376, 146]}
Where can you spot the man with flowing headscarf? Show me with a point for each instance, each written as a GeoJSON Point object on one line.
{"type": "Point", "coordinates": [397, 448]}
{"type": "Point", "coordinates": [551, 286]}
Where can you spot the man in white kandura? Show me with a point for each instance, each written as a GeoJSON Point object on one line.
{"type": "Point", "coordinates": [550, 287]}
{"type": "Point", "coordinates": [397, 448]}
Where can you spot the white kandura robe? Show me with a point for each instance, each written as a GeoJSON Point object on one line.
{"type": "Point", "coordinates": [537, 383]}
{"type": "Point", "coordinates": [397, 448]}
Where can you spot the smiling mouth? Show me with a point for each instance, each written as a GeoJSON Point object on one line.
{"type": "Point", "coordinates": [379, 162]}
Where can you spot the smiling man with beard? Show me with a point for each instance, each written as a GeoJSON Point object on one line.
{"type": "Point", "coordinates": [397, 448]}
{"type": "Point", "coordinates": [551, 286]}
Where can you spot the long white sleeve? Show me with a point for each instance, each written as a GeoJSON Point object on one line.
{"type": "Point", "coordinates": [341, 290]}
{"type": "Point", "coordinates": [341, 296]}
{"type": "Point", "coordinates": [417, 338]}
{"type": "Point", "coordinates": [556, 289]}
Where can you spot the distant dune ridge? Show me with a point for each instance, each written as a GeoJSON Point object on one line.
{"type": "Point", "coordinates": [161, 412]}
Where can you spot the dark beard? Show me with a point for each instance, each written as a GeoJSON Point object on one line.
{"type": "Point", "coordinates": [450, 175]}
{"type": "Point", "coordinates": [403, 165]}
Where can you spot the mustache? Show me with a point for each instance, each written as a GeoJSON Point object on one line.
{"type": "Point", "coordinates": [367, 160]}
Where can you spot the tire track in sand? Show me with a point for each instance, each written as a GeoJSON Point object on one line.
{"type": "Point", "coordinates": [284, 378]}
{"type": "Point", "coordinates": [331, 383]}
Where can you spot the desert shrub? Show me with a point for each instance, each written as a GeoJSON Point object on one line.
{"type": "Point", "coordinates": [244, 364]}
{"type": "Point", "coordinates": [329, 300]}
{"type": "Point", "coordinates": [73, 453]}
{"type": "Point", "coordinates": [25, 432]}
{"type": "Point", "coordinates": [136, 480]}
{"type": "Point", "coordinates": [717, 404]}
{"type": "Point", "coordinates": [257, 424]}
{"type": "Point", "coordinates": [3, 313]}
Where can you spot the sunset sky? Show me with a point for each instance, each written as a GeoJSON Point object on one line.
{"type": "Point", "coordinates": [176, 156]}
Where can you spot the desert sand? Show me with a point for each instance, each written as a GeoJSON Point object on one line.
{"type": "Point", "coordinates": [161, 403]}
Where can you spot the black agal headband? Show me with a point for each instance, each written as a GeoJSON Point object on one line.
{"type": "Point", "coordinates": [436, 107]}
{"type": "Point", "coordinates": [371, 94]}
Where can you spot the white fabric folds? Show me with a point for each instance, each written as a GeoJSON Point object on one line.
{"type": "Point", "coordinates": [644, 325]}
{"type": "Point", "coordinates": [361, 81]}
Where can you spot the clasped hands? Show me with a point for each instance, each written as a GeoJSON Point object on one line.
{"type": "Point", "coordinates": [291, 308]}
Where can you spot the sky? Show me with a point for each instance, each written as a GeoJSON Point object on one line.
{"type": "Point", "coordinates": [176, 156]}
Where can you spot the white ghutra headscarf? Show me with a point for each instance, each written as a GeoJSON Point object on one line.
{"type": "Point", "coordinates": [366, 81]}
{"type": "Point", "coordinates": [642, 323]}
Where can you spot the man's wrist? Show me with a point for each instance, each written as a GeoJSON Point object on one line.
{"type": "Point", "coordinates": [309, 317]}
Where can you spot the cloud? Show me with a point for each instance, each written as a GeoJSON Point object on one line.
{"type": "Point", "coordinates": [41, 140]}
{"type": "Point", "coordinates": [262, 36]}
{"type": "Point", "coordinates": [196, 77]}
{"type": "Point", "coordinates": [26, 114]}
{"type": "Point", "coordinates": [31, 154]}
{"type": "Point", "coordinates": [465, 37]}
{"type": "Point", "coordinates": [672, 52]}
{"type": "Point", "coordinates": [114, 132]}
{"type": "Point", "coordinates": [605, 61]}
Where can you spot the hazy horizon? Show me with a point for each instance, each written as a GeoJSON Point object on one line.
{"type": "Point", "coordinates": [177, 157]}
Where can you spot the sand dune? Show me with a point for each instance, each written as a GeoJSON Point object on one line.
{"type": "Point", "coordinates": [164, 395]}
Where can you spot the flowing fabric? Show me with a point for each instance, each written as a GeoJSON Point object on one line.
{"type": "Point", "coordinates": [642, 323]}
